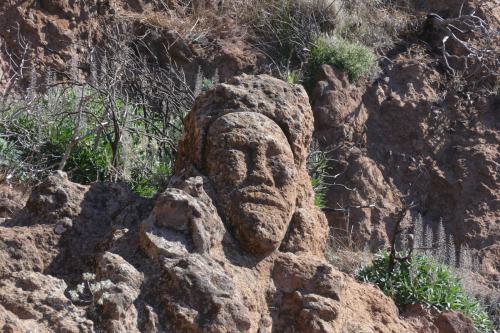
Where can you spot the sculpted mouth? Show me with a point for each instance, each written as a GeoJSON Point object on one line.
{"type": "Point", "coordinates": [261, 196]}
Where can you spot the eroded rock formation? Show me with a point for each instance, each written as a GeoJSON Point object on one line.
{"type": "Point", "coordinates": [405, 138]}
{"type": "Point", "coordinates": [234, 244]}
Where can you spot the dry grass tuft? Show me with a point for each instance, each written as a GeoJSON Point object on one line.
{"type": "Point", "coordinates": [348, 261]}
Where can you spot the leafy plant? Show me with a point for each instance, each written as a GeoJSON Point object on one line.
{"type": "Point", "coordinates": [420, 279]}
{"type": "Point", "coordinates": [146, 182]}
{"type": "Point", "coordinates": [89, 159]}
{"type": "Point", "coordinates": [354, 58]}
{"type": "Point", "coordinates": [317, 165]}
{"type": "Point", "coordinates": [207, 84]}
{"type": "Point", "coordinates": [92, 293]}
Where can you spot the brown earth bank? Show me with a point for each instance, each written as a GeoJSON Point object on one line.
{"type": "Point", "coordinates": [415, 133]}
{"type": "Point", "coordinates": [63, 35]}
{"type": "Point", "coordinates": [193, 259]}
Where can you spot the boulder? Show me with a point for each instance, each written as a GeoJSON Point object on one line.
{"type": "Point", "coordinates": [454, 322]}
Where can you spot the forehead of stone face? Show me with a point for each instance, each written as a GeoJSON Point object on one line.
{"type": "Point", "coordinates": [247, 129]}
{"type": "Point", "coordinates": [286, 105]}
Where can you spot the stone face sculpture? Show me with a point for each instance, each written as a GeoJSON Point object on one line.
{"type": "Point", "coordinates": [251, 138]}
{"type": "Point", "coordinates": [240, 199]}
{"type": "Point", "coordinates": [250, 162]}
{"type": "Point", "coordinates": [237, 233]}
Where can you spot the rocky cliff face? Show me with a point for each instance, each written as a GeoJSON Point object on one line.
{"type": "Point", "coordinates": [412, 136]}
{"type": "Point", "coordinates": [235, 244]}
{"type": "Point", "coordinates": [203, 256]}
{"type": "Point", "coordinates": [399, 137]}
{"type": "Point", "coordinates": [425, 132]}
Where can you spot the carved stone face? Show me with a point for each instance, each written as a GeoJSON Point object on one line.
{"type": "Point", "coordinates": [251, 165]}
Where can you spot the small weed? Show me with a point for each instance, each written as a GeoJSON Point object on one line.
{"type": "Point", "coordinates": [203, 83]}
{"type": "Point", "coordinates": [318, 168]}
{"type": "Point", "coordinates": [153, 177]}
{"type": "Point", "coordinates": [207, 84]}
{"type": "Point", "coordinates": [293, 77]}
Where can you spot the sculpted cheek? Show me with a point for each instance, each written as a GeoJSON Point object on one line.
{"type": "Point", "coordinates": [231, 167]}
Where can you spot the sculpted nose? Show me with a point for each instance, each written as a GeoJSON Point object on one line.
{"type": "Point", "coordinates": [258, 170]}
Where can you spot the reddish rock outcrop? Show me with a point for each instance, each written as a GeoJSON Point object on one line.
{"type": "Point", "coordinates": [31, 301]}
{"type": "Point", "coordinates": [205, 256]}
{"type": "Point", "coordinates": [429, 320]}
{"type": "Point", "coordinates": [8, 207]}
{"type": "Point", "coordinates": [11, 201]}
{"type": "Point", "coordinates": [417, 135]}
{"type": "Point", "coordinates": [454, 322]}
{"type": "Point", "coordinates": [404, 137]}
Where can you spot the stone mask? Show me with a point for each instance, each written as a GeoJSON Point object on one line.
{"type": "Point", "coordinates": [251, 165]}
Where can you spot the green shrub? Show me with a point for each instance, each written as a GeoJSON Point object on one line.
{"type": "Point", "coordinates": [354, 58]}
{"type": "Point", "coordinates": [89, 160]}
{"type": "Point", "coordinates": [285, 28]}
{"type": "Point", "coordinates": [420, 279]}
{"type": "Point", "coordinates": [32, 144]}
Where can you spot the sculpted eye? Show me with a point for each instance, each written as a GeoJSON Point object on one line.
{"type": "Point", "coordinates": [283, 171]}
